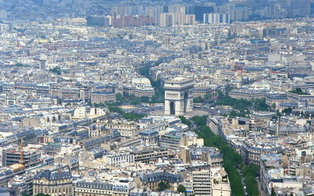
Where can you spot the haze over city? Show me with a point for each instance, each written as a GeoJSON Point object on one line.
{"type": "Point", "coordinates": [156, 97]}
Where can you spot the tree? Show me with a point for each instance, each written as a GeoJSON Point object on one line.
{"type": "Point", "coordinates": [232, 161]}
{"type": "Point", "coordinates": [56, 70]}
{"type": "Point", "coordinates": [145, 99]}
{"type": "Point", "coordinates": [198, 100]}
{"type": "Point", "coordinates": [42, 194]}
{"type": "Point", "coordinates": [135, 100]}
{"type": "Point", "coordinates": [154, 98]}
{"type": "Point", "coordinates": [163, 186]}
{"type": "Point", "coordinates": [260, 104]}
{"type": "Point", "coordinates": [20, 65]}
{"type": "Point", "coordinates": [185, 121]}
{"type": "Point", "coordinates": [157, 84]}
{"type": "Point", "coordinates": [119, 98]}
{"type": "Point", "coordinates": [181, 189]}
{"type": "Point", "coordinates": [287, 110]}
{"type": "Point", "coordinates": [273, 193]}
{"type": "Point", "coordinates": [299, 91]}
{"type": "Point", "coordinates": [132, 116]}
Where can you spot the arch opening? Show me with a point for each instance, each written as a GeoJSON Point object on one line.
{"type": "Point", "coordinates": [172, 108]}
{"type": "Point", "coordinates": [186, 96]}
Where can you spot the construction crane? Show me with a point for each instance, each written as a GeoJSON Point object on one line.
{"type": "Point", "coordinates": [19, 166]}
{"type": "Point", "coordinates": [22, 153]}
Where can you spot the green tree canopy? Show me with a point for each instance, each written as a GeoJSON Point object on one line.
{"type": "Point", "coordinates": [232, 161]}
{"type": "Point", "coordinates": [157, 84]}
{"type": "Point", "coordinates": [185, 121]}
{"type": "Point", "coordinates": [287, 110]}
{"type": "Point", "coordinates": [181, 189]}
{"type": "Point", "coordinates": [273, 193]}
{"type": "Point", "coordinates": [299, 91]}
{"type": "Point", "coordinates": [56, 70]}
{"type": "Point", "coordinates": [163, 186]}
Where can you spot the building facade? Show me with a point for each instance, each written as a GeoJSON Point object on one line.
{"type": "Point", "coordinates": [201, 182]}
{"type": "Point", "coordinates": [54, 182]}
{"type": "Point", "coordinates": [11, 157]}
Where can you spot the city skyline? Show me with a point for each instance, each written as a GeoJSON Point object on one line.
{"type": "Point", "coordinates": [149, 98]}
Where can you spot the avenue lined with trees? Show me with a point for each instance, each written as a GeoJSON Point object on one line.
{"type": "Point", "coordinates": [232, 161]}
